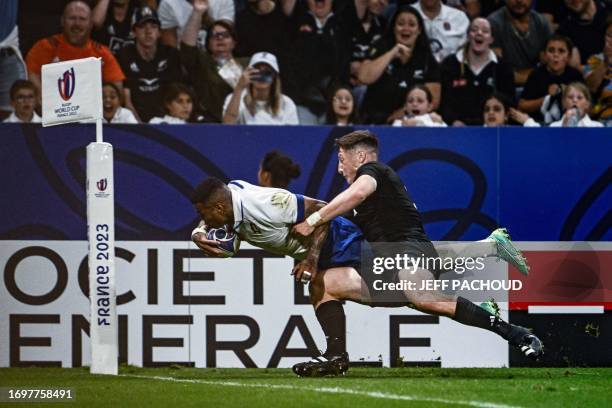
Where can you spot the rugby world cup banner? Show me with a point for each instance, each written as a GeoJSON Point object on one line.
{"type": "Point", "coordinates": [175, 306]}
{"type": "Point", "coordinates": [71, 91]}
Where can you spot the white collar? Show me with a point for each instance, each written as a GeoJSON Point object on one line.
{"type": "Point", "coordinates": [237, 206]}
{"type": "Point", "coordinates": [320, 24]}
{"type": "Point", "coordinates": [491, 57]}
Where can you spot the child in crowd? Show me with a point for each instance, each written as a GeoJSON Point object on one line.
{"type": "Point", "coordinates": [418, 109]}
{"type": "Point", "coordinates": [113, 112]}
{"type": "Point", "coordinates": [341, 110]}
{"type": "Point", "coordinates": [497, 111]}
{"type": "Point", "coordinates": [541, 97]}
{"type": "Point", "coordinates": [178, 104]}
{"type": "Point", "coordinates": [23, 100]}
{"type": "Point", "coordinates": [577, 103]}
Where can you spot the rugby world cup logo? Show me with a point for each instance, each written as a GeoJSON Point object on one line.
{"type": "Point", "coordinates": [102, 184]}
{"type": "Point", "coordinates": [65, 84]}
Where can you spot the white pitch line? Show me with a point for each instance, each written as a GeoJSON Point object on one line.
{"type": "Point", "coordinates": [329, 390]}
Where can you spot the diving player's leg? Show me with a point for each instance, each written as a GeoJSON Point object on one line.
{"type": "Point", "coordinates": [497, 245]}
{"type": "Point", "coordinates": [327, 291]}
{"type": "Point", "coordinates": [466, 312]}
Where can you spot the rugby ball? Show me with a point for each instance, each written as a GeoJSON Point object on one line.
{"type": "Point", "coordinates": [229, 243]}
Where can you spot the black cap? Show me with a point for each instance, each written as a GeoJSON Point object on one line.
{"type": "Point", "coordinates": [144, 14]}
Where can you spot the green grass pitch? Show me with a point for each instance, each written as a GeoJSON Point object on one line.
{"type": "Point", "coordinates": [360, 387]}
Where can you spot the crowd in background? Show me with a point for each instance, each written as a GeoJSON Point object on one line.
{"type": "Point", "coordinates": [340, 62]}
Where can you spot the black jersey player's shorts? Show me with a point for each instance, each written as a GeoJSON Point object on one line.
{"type": "Point", "coordinates": [345, 246]}
{"type": "Point", "coordinates": [381, 265]}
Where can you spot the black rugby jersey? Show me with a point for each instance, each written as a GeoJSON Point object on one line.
{"type": "Point", "coordinates": [388, 214]}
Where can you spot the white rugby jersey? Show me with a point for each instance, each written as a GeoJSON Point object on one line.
{"type": "Point", "coordinates": [263, 217]}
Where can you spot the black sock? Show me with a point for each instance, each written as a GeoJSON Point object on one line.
{"type": "Point", "coordinates": [473, 315]}
{"type": "Point", "coordinates": [333, 322]}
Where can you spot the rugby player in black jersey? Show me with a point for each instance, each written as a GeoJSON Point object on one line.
{"type": "Point", "coordinates": [385, 213]}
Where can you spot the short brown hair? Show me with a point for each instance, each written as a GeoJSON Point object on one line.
{"type": "Point", "coordinates": [358, 137]}
{"type": "Point", "coordinates": [20, 84]}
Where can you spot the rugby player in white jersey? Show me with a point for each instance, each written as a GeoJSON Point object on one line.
{"type": "Point", "coordinates": [264, 217]}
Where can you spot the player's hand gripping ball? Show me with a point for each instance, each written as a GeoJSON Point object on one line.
{"type": "Point", "coordinates": [229, 243]}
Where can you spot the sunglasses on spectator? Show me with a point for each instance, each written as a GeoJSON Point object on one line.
{"type": "Point", "coordinates": [220, 35]}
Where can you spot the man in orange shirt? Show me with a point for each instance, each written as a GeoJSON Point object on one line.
{"type": "Point", "coordinates": [73, 42]}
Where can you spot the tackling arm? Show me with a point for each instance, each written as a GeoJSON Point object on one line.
{"type": "Point", "coordinates": [346, 201]}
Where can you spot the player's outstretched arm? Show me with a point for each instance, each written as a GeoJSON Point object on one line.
{"type": "Point", "coordinates": [344, 202]}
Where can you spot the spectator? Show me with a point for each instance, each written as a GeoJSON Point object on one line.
{"type": "Point", "coordinates": [519, 35]}
{"type": "Point", "coordinates": [497, 111]}
{"type": "Point", "coordinates": [23, 101]}
{"type": "Point", "coordinates": [111, 105]}
{"type": "Point", "coordinates": [576, 103]}
{"type": "Point", "coordinates": [342, 109]}
{"type": "Point", "coordinates": [73, 43]}
{"type": "Point", "coordinates": [598, 76]}
{"type": "Point", "coordinates": [585, 25]}
{"type": "Point", "coordinates": [258, 99]}
{"type": "Point", "coordinates": [446, 27]}
{"type": "Point", "coordinates": [174, 15]}
{"type": "Point", "coordinates": [148, 66]}
{"type": "Point", "coordinates": [178, 105]}
{"type": "Point", "coordinates": [261, 26]}
{"type": "Point", "coordinates": [214, 73]}
{"type": "Point", "coordinates": [471, 74]}
{"type": "Point", "coordinates": [368, 26]}
{"type": "Point", "coordinates": [277, 170]}
{"type": "Point", "coordinates": [418, 110]}
{"type": "Point", "coordinates": [541, 96]}
{"type": "Point", "coordinates": [112, 21]}
{"type": "Point", "coordinates": [399, 60]}
{"type": "Point", "coordinates": [320, 40]}
{"type": "Point", "coordinates": [11, 62]}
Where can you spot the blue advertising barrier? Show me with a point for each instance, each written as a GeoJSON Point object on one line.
{"type": "Point", "coordinates": [543, 184]}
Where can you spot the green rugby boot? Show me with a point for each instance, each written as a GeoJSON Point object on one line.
{"type": "Point", "coordinates": [507, 251]}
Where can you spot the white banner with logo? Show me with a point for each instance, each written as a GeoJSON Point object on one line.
{"type": "Point", "coordinates": [177, 307]}
{"type": "Point", "coordinates": [71, 91]}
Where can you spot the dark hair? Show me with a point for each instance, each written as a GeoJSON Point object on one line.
{"type": "Point", "coordinates": [422, 42]}
{"type": "Point", "coordinates": [19, 85]}
{"type": "Point", "coordinates": [172, 91]}
{"type": "Point", "coordinates": [331, 118]}
{"type": "Point", "coordinates": [423, 88]}
{"type": "Point", "coordinates": [281, 168]}
{"type": "Point", "coordinates": [504, 99]}
{"type": "Point", "coordinates": [358, 137]}
{"type": "Point", "coordinates": [558, 37]}
{"type": "Point", "coordinates": [116, 88]}
{"type": "Point", "coordinates": [228, 25]}
{"type": "Point", "coordinates": [208, 190]}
